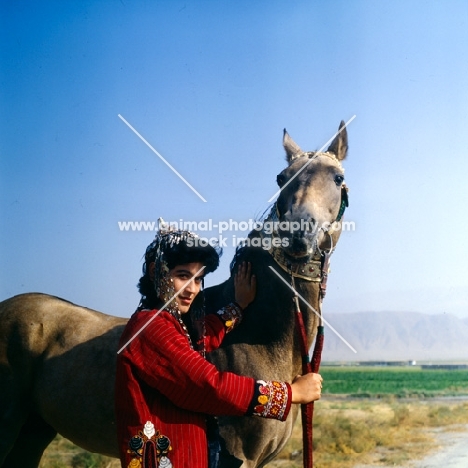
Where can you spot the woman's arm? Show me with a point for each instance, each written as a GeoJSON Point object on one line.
{"type": "Point", "coordinates": [245, 286]}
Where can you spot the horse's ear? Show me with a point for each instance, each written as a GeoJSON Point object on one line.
{"type": "Point", "coordinates": [291, 147]}
{"type": "Point", "coordinates": [339, 146]}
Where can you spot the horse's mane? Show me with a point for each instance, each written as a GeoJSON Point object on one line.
{"type": "Point", "coordinates": [238, 256]}
{"type": "Point", "coordinates": [241, 249]}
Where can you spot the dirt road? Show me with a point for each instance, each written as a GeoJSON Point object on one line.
{"type": "Point", "coordinates": [452, 453]}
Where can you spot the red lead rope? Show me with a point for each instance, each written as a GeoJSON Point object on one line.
{"type": "Point", "coordinates": [307, 411]}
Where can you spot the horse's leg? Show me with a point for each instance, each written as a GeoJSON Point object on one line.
{"type": "Point", "coordinates": [33, 438]}
{"type": "Point", "coordinates": [13, 415]}
{"type": "Point", "coordinates": [23, 435]}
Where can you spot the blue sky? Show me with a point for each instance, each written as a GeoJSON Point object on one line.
{"type": "Point", "coordinates": [211, 85]}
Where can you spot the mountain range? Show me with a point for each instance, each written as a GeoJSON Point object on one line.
{"type": "Point", "coordinates": [396, 336]}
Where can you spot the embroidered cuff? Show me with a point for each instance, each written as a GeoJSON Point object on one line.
{"type": "Point", "coordinates": [271, 400]}
{"type": "Point", "coordinates": [231, 315]}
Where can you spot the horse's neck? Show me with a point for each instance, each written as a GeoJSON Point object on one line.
{"type": "Point", "coordinates": [270, 320]}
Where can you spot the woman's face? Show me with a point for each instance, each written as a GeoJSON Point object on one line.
{"type": "Point", "coordinates": [181, 274]}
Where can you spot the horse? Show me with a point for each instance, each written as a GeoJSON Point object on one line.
{"type": "Point", "coordinates": [57, 359]}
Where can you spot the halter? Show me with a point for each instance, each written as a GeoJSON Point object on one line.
{"type": "Point", "coordinates": [316, 268]}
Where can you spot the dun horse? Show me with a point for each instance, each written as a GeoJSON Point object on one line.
{"type": "Point", "coordinates": [57, 360]}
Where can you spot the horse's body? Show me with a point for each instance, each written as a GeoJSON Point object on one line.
{"type": "Point", "coordinates": [57, 360]}
{"type": "Point", "coordinates": [57, 366]}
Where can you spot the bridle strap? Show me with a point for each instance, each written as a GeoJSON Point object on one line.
{"type": "Point", "coordinates": [344, 202]}
{"type": "Point", "coordinates": [309, 271]}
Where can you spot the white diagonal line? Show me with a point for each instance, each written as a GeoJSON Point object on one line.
{"type": "Point", "coordinates": [160, 157]}
{"type": "Point", "coordinates": [160, 310]}
{"type": "Point", "coordinates": [310, 160]}
{"type": "Point", "coordinates": [311, 308]}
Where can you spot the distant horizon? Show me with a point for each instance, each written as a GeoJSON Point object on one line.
{"type": "Point", "coordinates": [396, 336]}
{"type": "Point", "coordinates": [385, 364]}
{"type": "Point", "coordinates": [451, 314]}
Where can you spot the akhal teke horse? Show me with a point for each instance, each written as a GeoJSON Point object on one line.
{"type": "Point", "coordinates": [57, 359]}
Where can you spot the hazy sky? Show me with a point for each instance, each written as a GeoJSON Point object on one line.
{"type": "Point", "coordinates": [211, 85]}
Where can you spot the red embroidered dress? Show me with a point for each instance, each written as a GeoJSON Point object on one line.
{"type": "Point", "coordinates": [165, 389]}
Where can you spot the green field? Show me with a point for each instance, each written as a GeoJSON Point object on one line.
{"type": "Point", "coordinates": [401, 381]}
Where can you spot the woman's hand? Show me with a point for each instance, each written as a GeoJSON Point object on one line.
{"type": "Point", "coordinates": [306, 388]}
{"type": "Point", "coordinates": [245, 285]}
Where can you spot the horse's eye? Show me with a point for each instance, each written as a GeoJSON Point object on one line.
{"type": "Point", "coordinates": [280, 179]}
{"type": "Point", "coordinates": [339, 179]}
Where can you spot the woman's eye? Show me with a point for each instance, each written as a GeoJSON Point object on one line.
{"type": "Point", "coordinates": [339, 179]}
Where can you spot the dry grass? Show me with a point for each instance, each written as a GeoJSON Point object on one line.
{"type": "Point", "coordinates": [348, 433]}
{"type": "Point", "coordinates": [61, 453]}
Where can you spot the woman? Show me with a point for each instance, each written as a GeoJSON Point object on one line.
{"type": "Point", "coordinates": [166, 391]}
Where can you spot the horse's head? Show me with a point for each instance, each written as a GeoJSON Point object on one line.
{"type": "Point", "coordinates": [313, 196]}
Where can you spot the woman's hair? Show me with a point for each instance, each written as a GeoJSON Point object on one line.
{"type": "Point", "coordinates": [175, 254]}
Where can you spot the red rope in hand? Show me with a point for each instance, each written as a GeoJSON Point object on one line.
{"type": "Point", "coordinates": [307, 410]}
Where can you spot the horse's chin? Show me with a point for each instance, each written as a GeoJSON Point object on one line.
{"type": "Point", "coordinates": [300, 249]}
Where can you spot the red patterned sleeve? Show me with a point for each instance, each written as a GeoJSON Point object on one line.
{"type": "Point", "coordinates": [231, 315]}
{"type": "Point", "coordinates": [162, 357]}
{"type": "Point", "coordinates": [217, 325]}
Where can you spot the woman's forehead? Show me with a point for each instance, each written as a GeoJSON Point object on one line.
{"type": "Point", "coordinates": [193, 268]}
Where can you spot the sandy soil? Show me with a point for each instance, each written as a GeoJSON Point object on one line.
{"type": "Point", "coordinates": [452, 451]}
